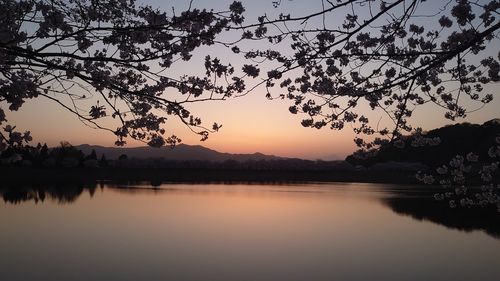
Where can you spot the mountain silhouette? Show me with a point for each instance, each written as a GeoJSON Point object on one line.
{"type": "Point", "coordinates": [181, 152]}
{"type": "Point", "coordinates": [457, 139]}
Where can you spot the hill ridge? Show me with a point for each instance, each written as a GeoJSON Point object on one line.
{"type": "Point", "coordinates": [182, 152]}
{"type": "Point", "coordinates": [455, 139]}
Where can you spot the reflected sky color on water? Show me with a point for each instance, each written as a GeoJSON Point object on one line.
{"type": "Point", "coordinates": [240, 232]}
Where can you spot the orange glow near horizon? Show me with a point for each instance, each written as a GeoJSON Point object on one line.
{"type": "Point", "coordinates": [250, 123]}
{"type": "Point", "coordinates": [275, 131]}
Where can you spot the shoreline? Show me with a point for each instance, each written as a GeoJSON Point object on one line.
{"type": "Point", "coordinates": [33, 175]}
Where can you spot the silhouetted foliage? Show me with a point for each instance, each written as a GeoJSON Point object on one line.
{"type": "Point", "coordinates": [65, 155]}
{"type": "Point", "coordinates": [466, 155]}
{"type": "Point", "coordinates": [92, 155]}
{"type": "Point", "coordinates": [103, 162]}
{"type": "Point", "coordinates": [117, 52]}
{"type": "Point", "coordinates": [44, 151]}
{"type": "Point", "coordinates": [453, 140]}
{"type": "Point", "coordinates": [389, 56]}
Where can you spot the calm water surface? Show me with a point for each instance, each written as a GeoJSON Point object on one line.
{"type": "Point", "coordinates": [242, 232]}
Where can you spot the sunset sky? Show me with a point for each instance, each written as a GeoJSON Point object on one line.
{"type": "Point", "coordinates": [250, 123]}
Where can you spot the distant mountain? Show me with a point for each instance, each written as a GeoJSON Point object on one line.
{"type": "Point", "coordinates": [181, 152]}
{"type": "Point", "coordinates": [458, 139]}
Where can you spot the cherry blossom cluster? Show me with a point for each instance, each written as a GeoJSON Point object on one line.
{"type": "Point", "coordinates": [394, 60]}
{"type": "Point", "coordinates": [116, 54]}
{"type": "Point", "coordinates": [461, 173]}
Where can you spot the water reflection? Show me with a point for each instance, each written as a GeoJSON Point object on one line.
{"type": "Point", "coordinates": [266, 232]}
{"type": "Point", "coordinates": [415, 202]}
{"type": "Point", "coordinates": [61, 194]}
{"type": "Point", "coordinates": [423, 207]}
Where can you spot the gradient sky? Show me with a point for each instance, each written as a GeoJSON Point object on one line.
{"type": "Point", "coordinates": [250, 123]}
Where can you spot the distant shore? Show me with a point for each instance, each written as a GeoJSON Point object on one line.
{"type": "Point", "coordinates": [32, 175]}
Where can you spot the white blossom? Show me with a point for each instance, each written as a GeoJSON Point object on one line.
{"type": "Point", "coordinates": [494, 151]}
{"type": "Point", "coordinates": [471, 157]}
{"type": "Point", "coordinates": [457, 161]}
{"type": "Point", "coordinates": [452, 204]}
{"type": "Point", "coordinates": [428, 179]}
{"type": "Point", "coordinates": [442, 170]}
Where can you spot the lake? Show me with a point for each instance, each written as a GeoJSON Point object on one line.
{"type": "Point", "coordinates": [327, 231]}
